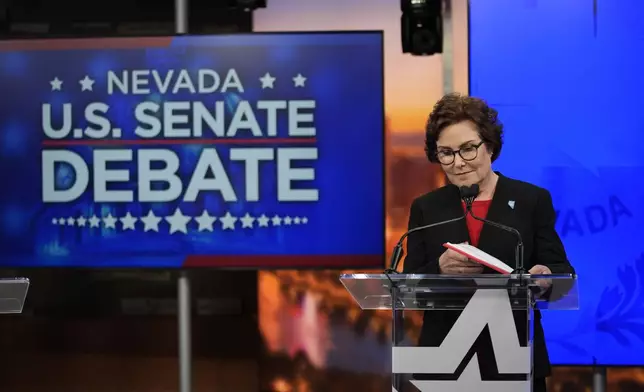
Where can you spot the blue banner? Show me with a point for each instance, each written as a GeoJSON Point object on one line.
{"type": "Point", "coordinates": [257, 150]}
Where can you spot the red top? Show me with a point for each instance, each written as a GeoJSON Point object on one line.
{"type": "Point", "coordinates": [480, 208]}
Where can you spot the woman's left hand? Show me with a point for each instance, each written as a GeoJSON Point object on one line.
{"type": "Point", "coordinates": [541, 270]}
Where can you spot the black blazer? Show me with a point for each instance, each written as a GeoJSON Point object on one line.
{"type": "Point", "coordinates": [533, 215]}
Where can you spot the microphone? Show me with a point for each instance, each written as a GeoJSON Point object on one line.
{"type": "Point", "coordinates": [468, 194]}
{"type": "Point", "coordinates": [398, 252]}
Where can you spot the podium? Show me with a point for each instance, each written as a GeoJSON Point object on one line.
{"type": "Point", "coordinates": [504, 305]}
{"type": "Point", "coordinates": [13, 292]}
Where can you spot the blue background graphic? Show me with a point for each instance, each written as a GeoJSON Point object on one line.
{"type": "Point", "coordinates": [344, 74]}
{"type": "Point", "coordinates": [566, 78]}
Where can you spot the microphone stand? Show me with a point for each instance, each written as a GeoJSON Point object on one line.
{"type": "Point", "coordinates": [396, 256]}
{"type": "Point", "coordinates": [398, 251]}
{"type": "Point", "coordinates": [520, 271]}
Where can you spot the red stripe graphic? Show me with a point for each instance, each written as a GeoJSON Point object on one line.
{"type": "Point", "coordinates": [291, 261]}
{"type": "Point", "coordinates": [149, 142]}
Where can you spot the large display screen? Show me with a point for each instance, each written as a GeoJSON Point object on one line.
{"type": "Point", "coordinates": [566, 77]}
{"type": "Point", "coordinates": [256, 150]}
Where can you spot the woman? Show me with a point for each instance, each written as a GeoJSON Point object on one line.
{"type": "Point", "coordinates": [464, 136]}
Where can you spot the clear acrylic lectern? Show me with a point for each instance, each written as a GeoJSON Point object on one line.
{"type": "Point", "coordinates": [462, 307]}
{"type": "Point", "coordinates": [13, 292]}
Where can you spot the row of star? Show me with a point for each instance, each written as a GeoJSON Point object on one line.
{"type": "Point", "coordinates": [268, 81]}
{"type": "Point", "coordinates": [87, 83]}
{"type": "Point", "coordinates": [179, 222]}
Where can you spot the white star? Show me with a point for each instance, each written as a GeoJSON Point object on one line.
{"type": "Point", "coordinates": [287, 220]}
{"type": "Point", "coordinates": [178, 222]}
{"type": "Point", "coordinates": [94, 221]}
{"type": "Point", "coordinates": [205, 221]}
{"type": "Point", "coordinates": [62, 221]}
{"type": "Point", "coordinates": [247, 221]}
{"type": "Point", "coordinates": [81, 221]}
{"type": "Point", "coordinates": [128, 221]}
{"type": "Point", "coordinates": [263, 221]}
{"type": "Point", "coordinates": [56, 84]}
{"type": "Point", "coordinates": [150, 222]}
{"type": "Point", "coordinates": [305, 220]}
{"type": "Point", "coordinates": [267, 81]}
{"type": "Point", "coordinates": [228, 221]}
{"type": "Point", "coordinates": [296, 220]}
{"type": "Point", "coordinates": [54, 221]}
{"type": "Point", "coordinates": [276, 220]}
{"type": "Point", "coordinates": [109, 221]}
{"type": "Point", "coordinates": [86, 84]}
{"type": "Point", "coordinates": [299, 80]}
{"type": "Point", "coordinates": [71, 221]}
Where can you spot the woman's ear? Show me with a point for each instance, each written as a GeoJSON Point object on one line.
{"type": "Point", "coordinates": [489, 149]}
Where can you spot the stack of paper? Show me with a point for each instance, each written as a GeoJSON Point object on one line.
{"type": "Point", "coordinates": [475, 254]}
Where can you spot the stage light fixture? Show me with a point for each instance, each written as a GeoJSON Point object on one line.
{"type": "Point", "coordinates": [421, 27]}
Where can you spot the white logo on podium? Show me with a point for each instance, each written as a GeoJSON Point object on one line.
{"type": "Point", "coordinates": [486, 308]}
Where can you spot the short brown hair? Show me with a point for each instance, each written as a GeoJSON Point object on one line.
{"type": "Point", "coordinates": [454, 108]}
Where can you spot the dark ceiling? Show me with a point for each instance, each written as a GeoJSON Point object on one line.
{"type": "Point", "coordinates": [56, 18]}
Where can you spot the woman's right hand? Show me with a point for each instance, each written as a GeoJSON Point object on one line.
{"type": "Point", "coordinates": [453, 263]}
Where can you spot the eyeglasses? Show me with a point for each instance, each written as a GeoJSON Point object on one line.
{"type": "Point", "coordinates": [467, 153]}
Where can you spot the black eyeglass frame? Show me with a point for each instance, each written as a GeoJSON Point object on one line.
{"type": "Point", "coordinates": [454, 152]}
